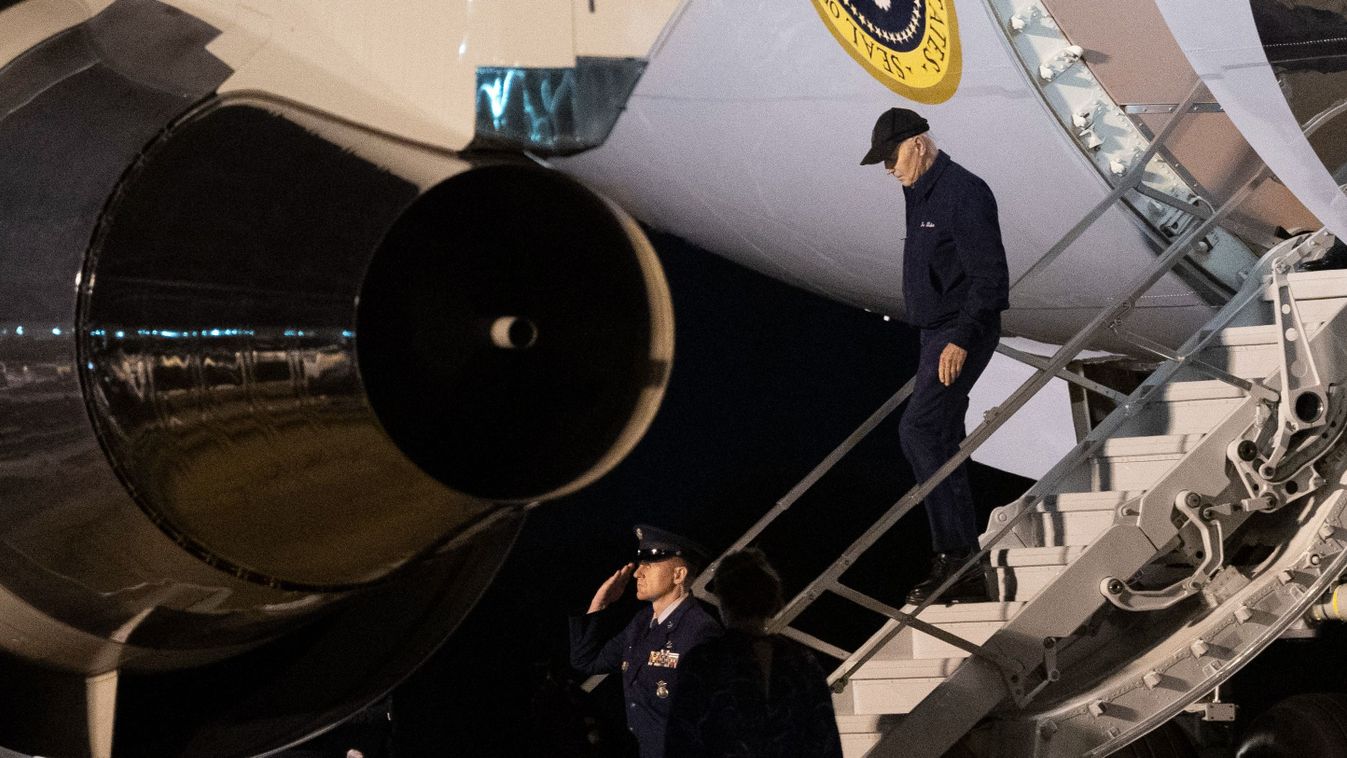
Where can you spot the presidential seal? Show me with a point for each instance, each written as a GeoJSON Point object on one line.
{"type": "Point", "coordinates": [912, 46]}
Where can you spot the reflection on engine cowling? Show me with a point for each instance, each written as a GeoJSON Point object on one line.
{"type": "Point", "coordinates": [288, 342]}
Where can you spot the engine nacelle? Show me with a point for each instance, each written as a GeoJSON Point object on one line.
{"type": "Point", "coordinates": [271, 446]}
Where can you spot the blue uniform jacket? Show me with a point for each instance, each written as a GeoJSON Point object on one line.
{"type": "Point", "coordinates": [648, 660]}
{"type": "Point", "coordinates": [954, 266]}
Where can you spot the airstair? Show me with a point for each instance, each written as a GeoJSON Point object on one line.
{"type": "Point", "coordinates": [1183, 534]}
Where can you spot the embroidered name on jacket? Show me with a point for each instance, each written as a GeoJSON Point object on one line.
{"type": "Point", "coordinates": [664, 659]}
{"type": "Point", "coordinates": [928, 225]}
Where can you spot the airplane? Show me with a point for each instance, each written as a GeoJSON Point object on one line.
{"type": "Point", "coordinates": [254, 251]}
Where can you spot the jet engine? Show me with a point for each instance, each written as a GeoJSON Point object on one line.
{"type": "Point", "coordinates": [276, 391]}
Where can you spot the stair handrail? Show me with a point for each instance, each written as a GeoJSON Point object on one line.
{"type": "Point", "coordinates": [1254, 285]}
{"type": "Point", "coordinates": [999, 415]}
{"type": "Point", "coordinates": [1045, 369]}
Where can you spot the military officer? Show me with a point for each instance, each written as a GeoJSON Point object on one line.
{"type": "Point", "coordinates": [648, 650]}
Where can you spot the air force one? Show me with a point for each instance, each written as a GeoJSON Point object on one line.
{"type": "Point", "coordinates": [255, 252]}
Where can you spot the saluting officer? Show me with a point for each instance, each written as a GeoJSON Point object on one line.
{"type": "Point", "coordinates": [647, 651]}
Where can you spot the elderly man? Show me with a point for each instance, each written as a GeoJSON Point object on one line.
{"type": "Point", "coordinates": [648, 650]}
{"type": "Point", "coordinates": [955, 287]}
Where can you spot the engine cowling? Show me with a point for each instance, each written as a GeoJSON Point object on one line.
{"type": "Point", "coordinates": [266, 454]}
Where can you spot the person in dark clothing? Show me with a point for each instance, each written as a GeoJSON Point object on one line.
{"type": "Point", "coordinates": [955, 285]}
{"type": "Point", "coordinates": [648, 651]}
{"type": "Point", "coordinates": [749, 694]}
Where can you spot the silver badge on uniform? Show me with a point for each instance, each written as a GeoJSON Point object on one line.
{"type": "Point", "coordinates": [661, 689]}
{"type": "Point", "coordinates": [664, 659]}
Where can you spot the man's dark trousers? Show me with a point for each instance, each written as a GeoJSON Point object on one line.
{"type": "Point", "coordinates": [932, 428]}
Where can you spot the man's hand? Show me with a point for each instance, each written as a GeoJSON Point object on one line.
{"type": "Point", "coordinates": [951, 363]}
{"type": "Point", "coordinates": [612, 589]}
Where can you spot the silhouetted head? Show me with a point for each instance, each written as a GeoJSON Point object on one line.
{"type": "Point", "coordinates": [749, 590]}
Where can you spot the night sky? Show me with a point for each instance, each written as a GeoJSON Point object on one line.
{"type": "Point", "coordinates": [767, 380]}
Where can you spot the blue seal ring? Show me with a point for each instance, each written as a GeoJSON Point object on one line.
{"type": "Point", "coordinates": [900, 26]}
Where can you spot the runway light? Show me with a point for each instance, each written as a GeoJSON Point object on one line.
{"type": "Point", "coordinates": [19, 331]}
{"type": "Point", "coordinates": [56, 330]}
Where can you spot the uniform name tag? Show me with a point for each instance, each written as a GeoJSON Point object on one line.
{"type": "Point", "coordinates": [664, 658]}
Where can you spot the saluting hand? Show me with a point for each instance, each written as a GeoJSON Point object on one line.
{"type": "Point", "coordinates": [951, 363]}
{"type": "Point", "coordinates": [611, 590]}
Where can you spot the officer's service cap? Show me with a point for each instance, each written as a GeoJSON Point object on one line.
{"type": "Point", "coordinates": [657, 544]}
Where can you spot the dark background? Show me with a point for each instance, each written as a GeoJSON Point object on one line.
{"type": "Point", "coordinates": [767, 380]}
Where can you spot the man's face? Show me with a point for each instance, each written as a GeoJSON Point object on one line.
{"type": "Point", "coordinates": [658, 579]}
{"type": "Point", "coordinates": [906, 161]}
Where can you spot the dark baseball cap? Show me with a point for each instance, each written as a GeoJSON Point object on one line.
{"type": "Point", "coordinates": [893, 126]}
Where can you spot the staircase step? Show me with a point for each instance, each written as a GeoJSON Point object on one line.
{"type": "Point", "coordinates": [1316, 312]}
{"type": "Point", "coordinates": [1088, 501]}
{"type": "Point", "coordinates": [1148, 445]}
{"type": "Point", "coordinates": [917, 668]}
{"type": "Point", "coordinates": [1245, 336]}
{"type": "Point", "coordinates": [895, 694]}
{"type": "Point", "coordinates": [1314, 285]}
{"type": "Point", "coordinates": [857, 745]}
{"type": "Point", "coordinates": [887, 687]}
{"type": "Point", "coordinates": [1034, 556]}
{"type": "Point", "coordinates": [1248, 352]}
{"type": "Point", "coordinates": [974, 622]}
{"type": "Point", "coordinates": [1072, 518]}
{"type": "Point", "coordinates": [1210, 389]}
{"type": "Point", "coordinates": [1187, 410]}
{"type": "Point", "coordinates": [1018, 574]}
{"type": "Point", "coordinates": [863, 723]}
{"type": "Point", "coordinates": [1060, 510]}
{"type": "Point", "coordinates": [1135, 463]}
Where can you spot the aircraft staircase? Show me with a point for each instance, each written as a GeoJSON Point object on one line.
{"type": "Point", "coordinates": [1184, 533]}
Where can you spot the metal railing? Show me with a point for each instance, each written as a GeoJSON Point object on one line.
{"type": "Point", "coordinates": [1110, 317]}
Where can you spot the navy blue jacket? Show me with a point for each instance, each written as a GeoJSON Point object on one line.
{"type": "Point", "coordinates": [648, 660]}
{"type": "Point", "coordinates": [954, 266]}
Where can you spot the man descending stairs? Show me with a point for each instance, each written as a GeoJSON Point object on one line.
{"type": "Point", "coordinates": [1182, 536]}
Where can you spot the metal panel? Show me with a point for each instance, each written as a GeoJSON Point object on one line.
{"type": "Point", "coordinates": [1223, 46]}
{"type": "Point", "coordinates": [754, 155]}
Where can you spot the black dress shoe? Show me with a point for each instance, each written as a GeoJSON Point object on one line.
{"type": "Point", "coordinates": [969, 588]}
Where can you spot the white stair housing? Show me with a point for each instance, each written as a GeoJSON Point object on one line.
{"type": "Point", "coordinates": [1087, 645]}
